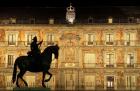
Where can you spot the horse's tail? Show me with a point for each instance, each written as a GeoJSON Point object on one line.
{"type": "Point", "coordinates": [15, 71]}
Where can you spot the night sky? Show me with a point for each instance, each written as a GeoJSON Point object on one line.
{"type": "Point", "coordinates": [57, 8]}
{"type": "Point", "coordinates": [64, 3]}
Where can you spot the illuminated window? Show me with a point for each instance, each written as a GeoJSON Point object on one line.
{"type": "Point", "coordinates": [90, 38]}
{"type": "Point", "coordinates": [50, 39]}
{"type": "Point", "coordinates": [110, 82]}
{"type": "Point", "coordinates": [130, 82]}
{"type": "Point", "coordinates": [109, 59]}
{"type": "Point", "coordinates": [29, 38]}
{"type": "Point", "coordinates": [130, 60]}
{"type": "Point", "coordinates": [89, 60]}
{"type": "Point", "coordinates": [89, 82]}
{"type": "Point", "coordinates": [130, 39]}
{"type": "Point", "coordinates": [109, 39]}
{"type": "Point", "coordinates": [11, 39]}
{"type": "Point", "coordinates": [10, 60]}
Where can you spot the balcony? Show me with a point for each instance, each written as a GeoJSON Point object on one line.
{"type": "Point", "coordinates": [85, 65]}
{"type": "Point", "coordinates": [48, 43]}
{"type": "Point", "coordinates": [127, 43]}
{"type": "Point", "coordinates": [117, 65]}
{"type": "Point", "coordinates": [91, 43]}
{"type": "Point", "coordinates": [109, 43]}
{"type": "Point", "coordinates": [130, 65]}
{"type": "Point", "coordinates": [113, 43]}
{"type": "Point", "coordinates": [84, 43]}
{"type": "Point", "coordinates": [109, 65]}
{"type": "Point", "coordinates": [12, 43]}
{"type": "Point", "coordinates": [6, 65]}
{"type": "Point", "coordinates": [24, 43]}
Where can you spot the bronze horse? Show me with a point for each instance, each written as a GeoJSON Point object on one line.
{"type": "Point", "coordinates": [28, 63]}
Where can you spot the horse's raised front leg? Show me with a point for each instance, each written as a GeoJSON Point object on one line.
{"type": "Point", "coordinates": [43, 78]}
{"type": "Point", "coordinates": [49, 77]}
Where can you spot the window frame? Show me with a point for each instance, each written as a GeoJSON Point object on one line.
{"type": "Point", "coordinates": [29, 40]}
{"type": "Point", "coordinates": [131, 39]}
{"type": "Point", "coordinates": [130, 82]}
{"type": "Point", "coordinates": [50, 38]}
{"type": "Point", "coordinates": [90, 39]}
{"type": "Point", "coordinates": [13, 33]}
{"type": "Point", "coordinates": [129, 64]}
{"type": "Point", "coordinates": [113, 64]}
{"type": "Point", "coordinates": [111, 38]}
{"type": "Point", "coordinates": [89, 63]}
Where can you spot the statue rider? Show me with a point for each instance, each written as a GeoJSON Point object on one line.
{"type": "Point", "coordinates": [35, 51]}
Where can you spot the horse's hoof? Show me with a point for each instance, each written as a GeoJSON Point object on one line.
{"type": "Point", "coordinates": [43, 85]}
{"type": "Point", "coordinates": [18, 86]}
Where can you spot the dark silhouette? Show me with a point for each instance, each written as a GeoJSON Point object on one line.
{"type": "Point", "coordinates": [27, 63]}
{"type": "Point", "coordinates": [35, 50]}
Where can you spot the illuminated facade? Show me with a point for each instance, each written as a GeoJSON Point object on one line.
{"type": "Point", "coordinates": [105, 56]}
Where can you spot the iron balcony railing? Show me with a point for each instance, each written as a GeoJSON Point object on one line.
{"type": "Point", "coordinates": [24, 43]}
{"type": "Point", "coordinates": [111, 65]}
{"type": "Point", "coordinates": [112, 43]}
{"type": "Point", "coordinates": [84, 43]}
{"type": "Point", "coordinates": [83, 65]}
{"type": "Point", "coordinates": [9, 66]}
{"type": "Point", "coordinates": [92, 20]}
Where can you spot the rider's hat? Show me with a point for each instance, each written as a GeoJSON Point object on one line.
{"type": "Point", "coordinates": [35, 38]}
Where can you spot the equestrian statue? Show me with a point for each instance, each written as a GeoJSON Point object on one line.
{"type": "Point", "coordinates": [35, 61]}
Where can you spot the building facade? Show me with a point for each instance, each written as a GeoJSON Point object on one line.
{"type": "Point", "coordinates": [91, 57]}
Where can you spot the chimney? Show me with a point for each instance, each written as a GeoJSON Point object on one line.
{"type": "Point", "coordinates": [32, 20]}
{"type": "Point", "coordinates": [110, 20]}
{"type": "Point", "coordinates": [51, 21]}
{"type": "Point", "coordinates": [13, 20]}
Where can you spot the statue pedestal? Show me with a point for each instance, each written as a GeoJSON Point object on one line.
{"type": "Point", "coordinates": [31, 89]}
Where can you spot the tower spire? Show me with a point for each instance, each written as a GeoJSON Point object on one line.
{"type": "Point", "coordinates": [70, 14]}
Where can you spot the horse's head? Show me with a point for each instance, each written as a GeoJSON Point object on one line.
{"type": "Point", "coordinates": [47, 53]}
{"type": "Point", "coordinates": [55, 50]}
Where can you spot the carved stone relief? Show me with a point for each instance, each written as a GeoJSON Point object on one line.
{"type": "Point", "coordinates": [70, 40]}
{"type": "Point", "coordinates": [69, 54]}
